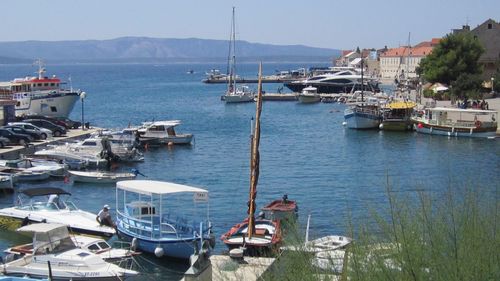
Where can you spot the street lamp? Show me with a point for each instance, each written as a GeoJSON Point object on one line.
{"type": "Point", "coordinates": [492, 88]}
{"type": "Point", "coordinates": [83, 95]}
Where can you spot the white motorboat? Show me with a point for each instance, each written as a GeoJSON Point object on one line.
{"type": "Point", "coordinates": [52, 168]}
{"type": "Point", "coordinates": [101, 177]}
{"type": "Point", "coordinates": [309, 95]}
{"type": "Point", "coordinates": [456, 122]}
{"type": "Point", "coordinates": [33, 207]}
{"type": "Point", "coordinates": [242, 93]}
{"type": "Point", "coordinates": [23, 175]}
{"type": "Point", "coordinates": [40, 95]}
{"type": "Point", "coordinates": [162, 132]}
{"type": "Point", "coordinates": [92, 244]}
{"type": "Point", "coordinates": [52, 243]}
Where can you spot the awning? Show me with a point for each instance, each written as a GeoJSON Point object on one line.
{"type": "Point", "coordinates": [149, 187]}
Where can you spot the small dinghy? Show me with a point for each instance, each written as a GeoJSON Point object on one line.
{"type": "Point", "coordinates": [102, 177]}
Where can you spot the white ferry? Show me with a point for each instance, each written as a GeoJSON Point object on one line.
{"type": "Point", "coordinates": [40, 95]}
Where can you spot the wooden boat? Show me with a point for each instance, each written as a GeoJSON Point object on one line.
{"type": "Point", "coordinates": [281, 209]}
{"type": "Point", "coordinates": [101, 177]}
{"type": "Point", "coordinates": [396, 116]}
{"type": "Point", "coordinates": [456, 122]}
{"type": "Point", "coordinates": [256, 236]}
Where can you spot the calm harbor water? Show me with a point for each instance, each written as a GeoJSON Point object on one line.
{"type": "Point", "coordinates": [333, 172]}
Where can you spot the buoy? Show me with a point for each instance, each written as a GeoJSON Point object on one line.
{"type": "Point", "coordinates": [344, 123]}
{"type": "Point", "coordinates": [381, 126]}
{"type": "Point", "coordinates": [133, 244]}
{"type": "Point", "coordinates": [159, 252]}
{"type": "Point", "coordinates": [170, 143]}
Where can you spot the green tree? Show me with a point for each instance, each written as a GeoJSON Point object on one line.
{"type": "Point", "coordinates": [454, 55]}
{"type": "Point", "coordinates": [496, 82]}
{"type": "Point", "coordinates": [467, 86]}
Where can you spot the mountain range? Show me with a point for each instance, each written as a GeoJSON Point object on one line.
{"type": "Point", "coordinates": [145, 49]}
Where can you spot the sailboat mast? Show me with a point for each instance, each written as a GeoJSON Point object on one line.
{"type": "Point", "coordinates": [362, 83]}
{"type": "Point", "coordinates": [231, 57]}
{"type": "Point", "coordinates": [255, 158]}
{"type": "Point", "coordinates": [408, 67]}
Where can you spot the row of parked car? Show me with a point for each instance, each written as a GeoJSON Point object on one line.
{"type": "Point", "coordinates": [30, 128]}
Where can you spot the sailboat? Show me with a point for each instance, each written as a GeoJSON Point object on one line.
{"type": "Point", "coordinates": [255, 236]}
{"type": "Point", "coordinates": [235, 94]}
{"type": "Point", "coordinates": [364, 114]}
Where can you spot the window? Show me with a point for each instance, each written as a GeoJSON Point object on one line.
{"type": "Point", "coordinates": [53, 109]}
{"type": "Point", "coordinates": [93, 247]}
{"type": "Point", "coordinates": [46, 84]}
{"type": "Point", "coordinates": [490, 26]}
{"type": "Point", "coordinates": [90, 143]}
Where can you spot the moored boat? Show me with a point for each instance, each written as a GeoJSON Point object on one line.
{"type": "Point", "coordinates": [31, 208]}
{"type": "Point", "coordinates": [281, 209]}
{"type": "Point", "coordinates": [53, 244]}
{"type": "Point", "coordinates": [457, 122]}
{"type": "Point", "coordinates": [163, 218]}
{"type": "Point", "coordinates": [40, 95]}
{"type": "Point", "coordinates": [162, 132]}
{"type": "Point", "coordinates": [309, 95]}
{"type": "Point", "coordinates": [396, 116]}
{"type": "Point", "coordinates": [254, 236]}
{"type": "Point", "coordinates": [101, 177]}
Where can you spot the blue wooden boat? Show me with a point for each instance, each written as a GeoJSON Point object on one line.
{"type": "Point", "coordinates": [163, 218]}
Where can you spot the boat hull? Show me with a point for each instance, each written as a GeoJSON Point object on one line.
{"type": "Point", "coordinates": [309, 98]}
{"type": "Point", "coordinates": [177, 139]}
{"type": "Point", "coordinates": [359, 120]}
{"type": "Point", "coordinates": [396, 125]}
{"type": "Point", "coordinates": [103, 178]}
{"type": "Point", "coordinates": [455, 132]}
{"type": "Point", "coordinates": [179, 248]}
{"type": "Point", "coordinates": [329, 88]}
{"type": "Point", "coordinates": [47, 104]}
{"type": "Point", "coordinates": [238, 98]}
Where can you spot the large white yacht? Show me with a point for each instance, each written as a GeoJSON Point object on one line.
{"type": "Point", "coordinates": [344, 81]}
{"type": "Point", "coordinates": [33, 206]}
{"type": "Point", "coordinates": [40, 95]}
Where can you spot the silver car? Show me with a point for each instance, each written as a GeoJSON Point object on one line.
{"type": "Point", "coordinates": [46, 133]}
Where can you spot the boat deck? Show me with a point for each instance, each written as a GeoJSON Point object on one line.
{"type": "Point", "coordinates": [13, 151]}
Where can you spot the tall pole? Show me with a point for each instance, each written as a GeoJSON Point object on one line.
{"type": "Point", "coordinates": [82, 98]}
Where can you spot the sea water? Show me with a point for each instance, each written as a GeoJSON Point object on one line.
{"type": "Point", "coordinates": [336, 174]}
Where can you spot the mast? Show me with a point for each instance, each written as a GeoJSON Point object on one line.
{"type": "Point", "coordinates": [362, 83]}
{"type": "Point", "coordinates": [255, 158]}
{"type": "Point", "coordinates": [408, 68]}
{"type": "Point", "coordinates": [231, 57]}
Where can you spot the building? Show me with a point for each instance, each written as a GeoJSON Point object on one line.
{"type": "Point", "coordinates": [401, 63]}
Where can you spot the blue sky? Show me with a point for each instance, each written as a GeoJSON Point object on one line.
{"type": "Point", "coordinates": [322, 23]}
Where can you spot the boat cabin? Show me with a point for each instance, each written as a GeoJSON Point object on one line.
{"type": "Point", "coordinates": [44, 198]}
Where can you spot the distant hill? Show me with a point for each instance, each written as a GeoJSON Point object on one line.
{"type": "Point", "coordinates": [9, 60]}
{"type": "Point", "coordinates": [143, 49]}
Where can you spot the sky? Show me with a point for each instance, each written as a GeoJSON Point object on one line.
{"type": "Point", "coordinates": [322, 23]}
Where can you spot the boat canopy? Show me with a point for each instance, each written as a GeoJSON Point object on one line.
{"type": "Point", "coordinates": [168, 123]}
{"type": "Point", "coordinates": [42, 228]}
{"type": "Point", "coordinates": [149, 187]}
{"type": "Point", "coordinates": [41, 191]}
{"type": "Point", "coordinates": [45, 233]}
{"type": "Point", "coordinates": [401, 105]}
{"type": "Point", "coordinates": [459, 110]}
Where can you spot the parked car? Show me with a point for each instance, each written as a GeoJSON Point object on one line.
{"type": "Point", "coordinates": [70, 124]}
{"type": "Point", "coordinates": [36, 135]}
{"type": "Point", "coordinates": [57, 130]}
{"type": "Point", "coordinates": [50, 119]}
{"type": "Point", "coordinates": [15, 138]}
{"type": "Point", "coordinates": [46, 133]}
{"type": "Point", "coordinates": [3, 142]}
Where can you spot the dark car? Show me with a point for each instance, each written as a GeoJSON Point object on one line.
{"type": "Point", "coordinates": [37, 135]}
{"type": "Point", "coordinates": [50, 119]}
{"type": "Point", "coordinates": [3, 142]}
{"type": "Point", "coordinates": [57, 130]}
{"type": "Point", "coordinates": [15, 138]}
{"type": "Point", "coordinates": [70, 124]}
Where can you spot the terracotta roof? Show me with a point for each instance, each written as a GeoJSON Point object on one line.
{"type": "Point", "coordinates": [417, 51]}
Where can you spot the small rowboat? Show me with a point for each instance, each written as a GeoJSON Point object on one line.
{"type": "Point", "coordinates": [100, 177]}
{"type": "Point", "coordinates": [281, 209]}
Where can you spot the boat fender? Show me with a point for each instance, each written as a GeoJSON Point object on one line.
{"type": "Point", "coordinates": [133, 244]}
{"type": "Point", "coordinates": [25, 221]}
{"type": "Point", "coordinates": [159, 252]}
{"type": "Point", "coordinates": [381, 126]}
{"type": "Point", "coordinates": [478, 124]}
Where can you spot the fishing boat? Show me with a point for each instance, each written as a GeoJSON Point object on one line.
{"type": "Point", "coordinates": [309, 95]}
{"type": "Point", "coordinates": [234, 93]}
{"type": "Point", "coordinates": [457, 122]}
{"type": "Point", "coordinates": [396, 116]}
{"type": "Point", "coordinates": [162, 132]}
{"type": "Point", "coordinates": [24, 175]}
{"type": "Point", "coordinates": [34, 206]}
{"type": "Point", "coordinates": [101, 177]}
{"type": "Point", "coordinates": [281, 209]}
{"type": "Point", "coordinates": [364, 114]}
{"type": "Point", "coordinates": [40, 95]}
{"type": "Point", "coordinates": [163, 218]}
{"type": "Point", "coordinates": [53, 244]}
{"type": "Point", "coordinates": [254, 236]}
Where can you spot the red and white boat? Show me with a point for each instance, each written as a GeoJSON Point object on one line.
{"type": "Point", "coordinates": [40, 95]}
{"type": "Point", "coordinates": [281, 209]}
